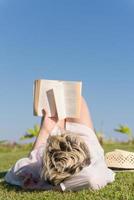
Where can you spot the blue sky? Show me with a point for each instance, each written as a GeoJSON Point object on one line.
{"type": "Point", "coordinates": [86, 40]}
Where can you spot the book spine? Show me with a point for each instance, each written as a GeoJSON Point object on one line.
{"type": "Point", "coordinates": [36, 97]}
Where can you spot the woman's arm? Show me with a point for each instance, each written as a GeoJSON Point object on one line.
{"type": "Point", "coordinates": [46, 126]}
{"type": "Point", "coordinates": [41, 138]}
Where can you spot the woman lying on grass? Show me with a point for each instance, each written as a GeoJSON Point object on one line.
{"type": "Point", "coordinates": [66, 156]}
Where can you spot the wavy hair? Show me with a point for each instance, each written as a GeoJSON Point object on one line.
{"type": "Point", "coordinates": [64, 155]}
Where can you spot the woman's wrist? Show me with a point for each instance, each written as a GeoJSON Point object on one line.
{"type": "Point", "coordinates": [43, 125]}
{"type": "Point", "coordinates": [43, 131]}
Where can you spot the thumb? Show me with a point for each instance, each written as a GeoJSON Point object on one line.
{"type": "Point", "coordinates": [44, 111]}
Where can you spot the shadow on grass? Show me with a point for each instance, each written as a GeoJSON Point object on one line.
{"type": "Point", "coordinates": [8, 187]}
{"type": "Point", "coordinates": [2, 174]}
{"type": "Point", "coordinates": [14, 188]}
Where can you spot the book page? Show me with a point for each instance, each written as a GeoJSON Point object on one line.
{"type": "Point", "coordinates": [51, 102]}
{"type": "Point", "coordinates": [45, 86]}
{"type": "Point", "coordinates": [58, 97]}
{"type": "Point", "coordinates": [36, 88]}
{"type": "Point", "coordinates": [72, 99]}
{"type": "Point", "coordinates": [59, 100]}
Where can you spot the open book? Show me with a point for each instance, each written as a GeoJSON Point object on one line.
{"type": "Point", "coordinates": [62, 98]}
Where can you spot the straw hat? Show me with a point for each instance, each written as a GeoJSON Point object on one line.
{"type": "Point", "coordinates": [120, 159]}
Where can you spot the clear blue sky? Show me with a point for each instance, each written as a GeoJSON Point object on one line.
{"type": "Point", "coordinates": [86, 40]}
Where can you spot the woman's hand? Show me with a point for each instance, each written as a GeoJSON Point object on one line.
{"type": "Point", "coordinates": [48, 123]}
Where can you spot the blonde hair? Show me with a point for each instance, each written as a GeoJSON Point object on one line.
{"type": "Point", "coordinates": [65, 155]}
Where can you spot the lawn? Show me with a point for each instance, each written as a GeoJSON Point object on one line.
{"type": "Point", "coordinates": [121, 189]}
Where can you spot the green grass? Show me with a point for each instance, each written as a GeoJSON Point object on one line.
{"type": "Point", "coordinates": [121, 189]}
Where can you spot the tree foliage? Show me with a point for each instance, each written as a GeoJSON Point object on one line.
{"type": "Point", "coordinates": [30, 133]}
{"type": "Point", "coordinates": [124, 129]}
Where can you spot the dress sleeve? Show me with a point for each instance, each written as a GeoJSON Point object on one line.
{"type": "Point", "coordinates": [26, 171]}
{"type": "Point", "coordinates": [26, 167]}
{"type": "Point", "coordinates": [94, 176]}
{"type": "Point", "coordinates": [75, 183]}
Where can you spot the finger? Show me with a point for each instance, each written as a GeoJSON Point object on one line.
{"type": "Point", "coordinates": [44, 111]}
{"type": "Point", "coordinates": [55, 118]}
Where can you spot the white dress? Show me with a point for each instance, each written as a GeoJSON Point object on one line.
{"type": "Point", "coordinates": [95, 176]}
